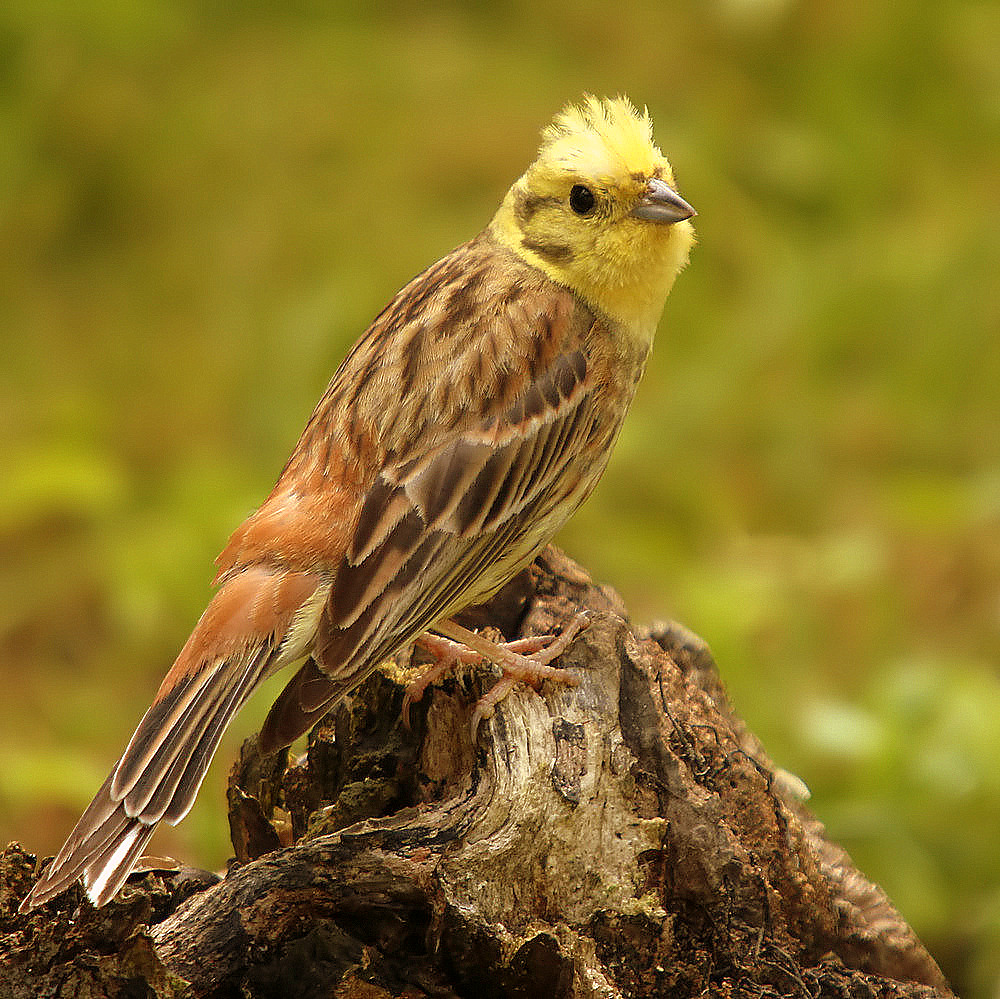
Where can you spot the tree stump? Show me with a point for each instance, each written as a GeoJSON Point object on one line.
{"type": "Point", "coordinates": [624, 837]}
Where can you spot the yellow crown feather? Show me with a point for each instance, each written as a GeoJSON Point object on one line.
{"type": "Point", "coordinates": [608, 139]}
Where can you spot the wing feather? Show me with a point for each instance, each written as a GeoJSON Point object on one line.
{"type": "Point", "coordinates": [477, 509]}
{"type": "Point", "coordinates": [482, 480]}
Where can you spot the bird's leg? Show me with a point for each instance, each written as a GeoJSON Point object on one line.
{"type": "Point", "coordinates": [524, 661]}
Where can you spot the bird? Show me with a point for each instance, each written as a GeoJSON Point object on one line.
{"type": "Point", "coordinates": [460, 432]}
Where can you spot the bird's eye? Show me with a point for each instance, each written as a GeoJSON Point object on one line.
{"type": "Point", "coordinates": [581, 199]}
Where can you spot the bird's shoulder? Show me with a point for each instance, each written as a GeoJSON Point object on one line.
{"type": "Point", "coordinates": [456, 347]}
{"type": "Point", "coordinates": [453, 352]}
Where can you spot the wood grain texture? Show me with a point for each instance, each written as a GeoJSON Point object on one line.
{"type": "Point", "coordinates": [626, 837]}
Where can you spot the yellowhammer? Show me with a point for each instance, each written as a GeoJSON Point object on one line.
{"type": "Point", "coordinates": [470, 420]}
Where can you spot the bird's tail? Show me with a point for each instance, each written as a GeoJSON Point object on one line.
{"type": "Point", "coordinates": [257, 623]}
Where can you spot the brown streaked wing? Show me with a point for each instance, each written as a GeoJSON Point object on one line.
{"type": "Point", "coordinates": [482, 502]}
{"type": "Point", "coordinates": [384, 626]}
{"type": "Point", "coordinates": [482, 478]}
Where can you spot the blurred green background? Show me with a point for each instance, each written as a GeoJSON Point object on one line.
{"type": "Point", "coordinates": [203, 206]}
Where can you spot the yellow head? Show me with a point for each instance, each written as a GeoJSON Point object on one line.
{"type": "Point", "coordinates": [597, 212]}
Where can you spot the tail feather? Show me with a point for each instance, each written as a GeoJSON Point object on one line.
{"type": "Point", "coordinates": [157, 787]}
{"type": "Point", "coordinates": [107, 872]}
{"type": "Point", "coordinates": [104, 840]}
{"type": "Point", "coordinates": [257, 623]}
{"type": "Point", "coordinates": [162, 726]}
{"type": "Point", "coordinates": [200, 749]}
{"type": "Point", "coordinates": [111, 834]}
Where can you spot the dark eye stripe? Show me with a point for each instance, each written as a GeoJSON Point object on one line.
{"type": "Point", "coordinates": [525, 205]}
{"type": "Point", "coordinates": [556, 252]}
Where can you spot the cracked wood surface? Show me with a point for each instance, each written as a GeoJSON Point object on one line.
{"type": "Point", "coordinates": [625, 837]}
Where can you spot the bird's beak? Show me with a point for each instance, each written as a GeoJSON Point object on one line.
{"type": "Point", "coordinates": [661, 203]}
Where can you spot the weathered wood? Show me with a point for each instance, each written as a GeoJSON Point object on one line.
{"type": "Point", "coordinates": [624, 837]}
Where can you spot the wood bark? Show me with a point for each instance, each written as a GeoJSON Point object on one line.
{"type": "Point", "coordinates": [624, 837]}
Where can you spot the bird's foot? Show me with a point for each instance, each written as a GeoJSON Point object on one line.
{"type": "Point", "coordinates": [447, 654]}
{"type": "Point", "coordinates": [526, 660]}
